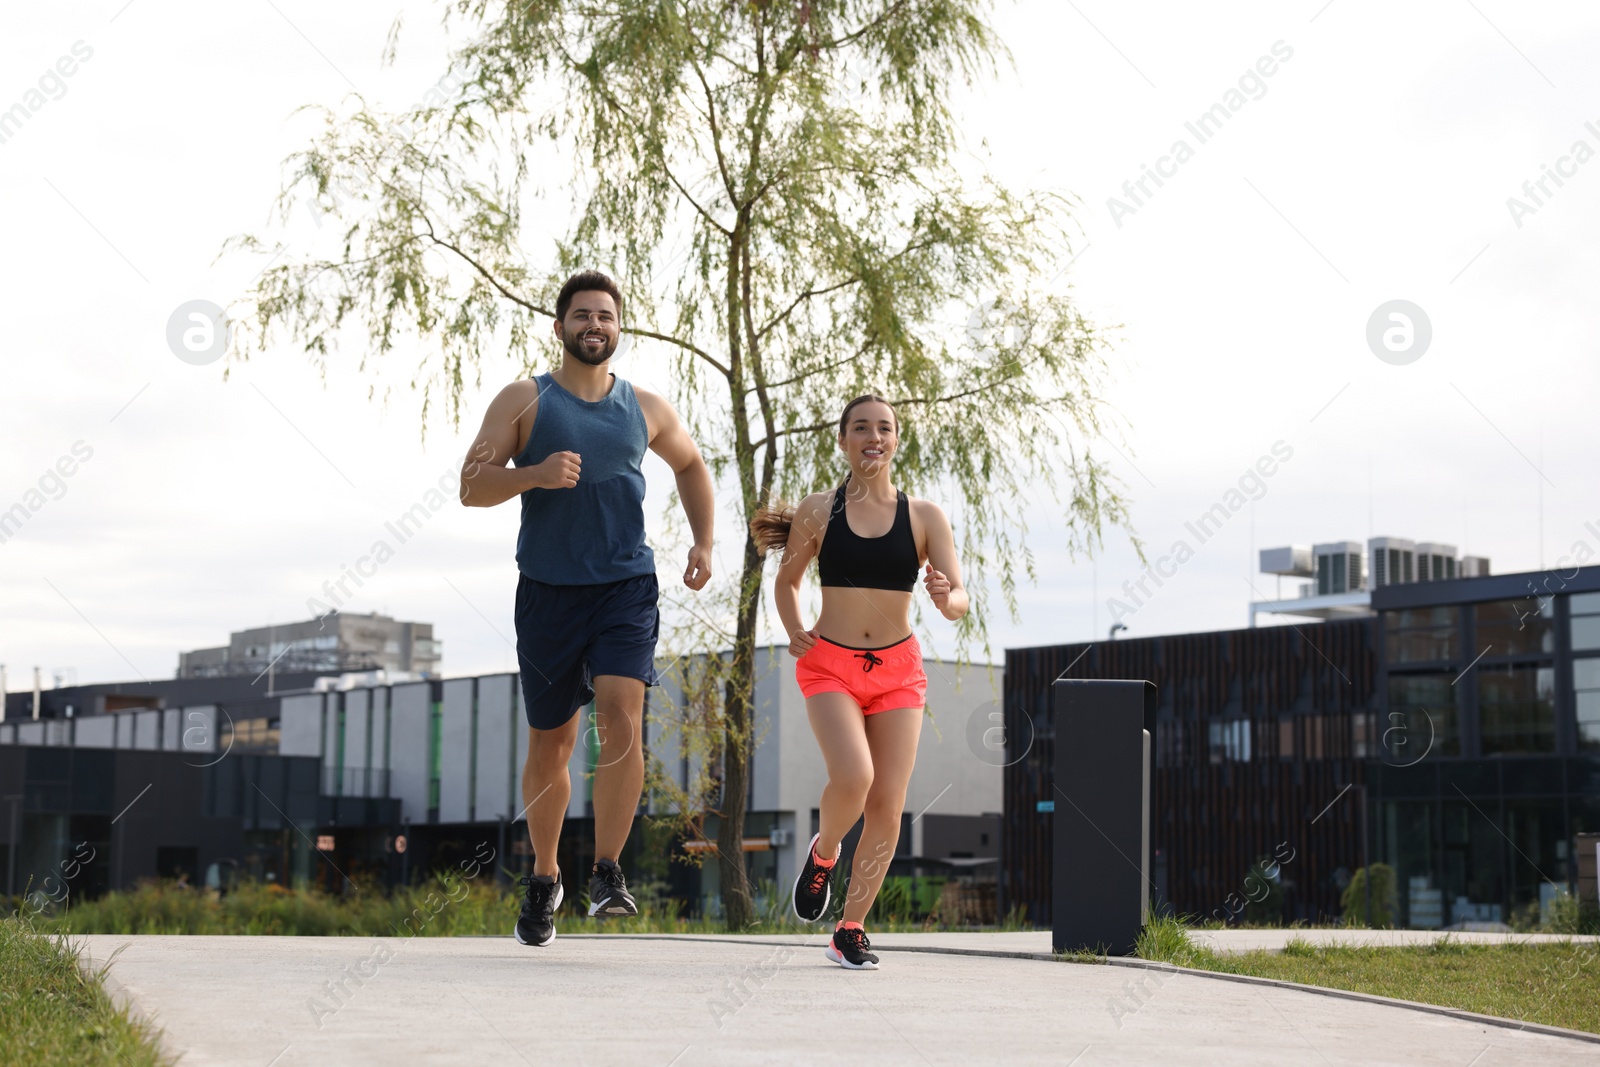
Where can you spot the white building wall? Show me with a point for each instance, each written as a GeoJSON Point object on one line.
{"type": "Point", "coordinates": [300, 725]}
{"type": "Point", "coordinates": [455, 751]}
{"type": "Point", "coordinates": [198, 732]}
{"type": "Point", "coordinates": [147, 730]}
{"type": "Point", "coordinates": [357, 725]}
{"type": "Point", "coordinates": [409, 713]}
{"type": "Point", "coordinates": [96, 731]}
{"type": "Point", "coordinates": [496, 706]}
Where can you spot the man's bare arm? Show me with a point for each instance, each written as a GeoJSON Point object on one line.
{"type": "Point", "coordinates": [670, 440]}
{"type": "Point", "coordinates": [486, 480]}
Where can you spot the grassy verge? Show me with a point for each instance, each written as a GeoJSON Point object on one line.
{"type": "Point", "coordinates": [52, 1013]}
{"type": "Point", "coordinates": [443, 908]}
{"type": "Point", "coordinates": [1555, 983]}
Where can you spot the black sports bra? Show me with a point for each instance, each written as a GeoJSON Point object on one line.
{"type": "Point", "coordinates": [887, 562]}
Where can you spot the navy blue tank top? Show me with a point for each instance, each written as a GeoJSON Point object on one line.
{"type": "Point", "coordinates": [592, 533]}
{"type": "Point", "coordinates": [886, 562]}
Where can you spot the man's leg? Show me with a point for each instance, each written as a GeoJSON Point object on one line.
{"type": "Point", "coordinates": [546, 789]}
{"type": "Point", "coordinates": [619, 771]}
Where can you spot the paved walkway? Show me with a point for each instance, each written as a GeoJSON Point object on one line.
{"type": "Point", "coordinates": [288, 1001]}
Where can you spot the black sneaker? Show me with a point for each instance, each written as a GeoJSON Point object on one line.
{"type": "Point", "coordinates": [608, 892]}
{"type": "Point", "coordinates": [850, 948]}
{"type": "Point", "coordinates": [811, 888]}
{"type": "Point", "coordinates": [535, 925]}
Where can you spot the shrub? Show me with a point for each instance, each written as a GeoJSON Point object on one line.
{"type": "Point", "coordinates": [1385, 899]}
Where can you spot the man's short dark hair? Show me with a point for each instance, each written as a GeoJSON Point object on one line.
{"type": "Point", "coordinates": [587, 281]}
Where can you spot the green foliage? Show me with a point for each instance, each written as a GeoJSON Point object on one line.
{"type": "Point", "coordinates": [1263, 894]}
{"type": "Point", "coordinates": [789, 205]}
{"type": "Point", "coordinates": [442, 908]}
{"type": "Point", "coordinates": [52, 1012]}
{"type": "Point", "coordinates": [1165, 939]}
{"type": "Point", "coordinates": [1558, 984]}
{"type": "Point", "coordinates": [1566, 915]}
{"type": "Point", "coordinates": [1569, 915]}
{"type": "Point", "coordinates": [1385, 901]}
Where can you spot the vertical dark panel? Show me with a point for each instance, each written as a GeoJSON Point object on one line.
{"type": "Point", "coordinates": [1210, 820]}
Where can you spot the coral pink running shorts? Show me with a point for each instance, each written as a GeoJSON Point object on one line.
{"type": "Point", "coordinates": [875, 678]}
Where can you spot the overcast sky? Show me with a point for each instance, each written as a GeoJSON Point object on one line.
{"type": "Point", "coordinates": [1374, 163]}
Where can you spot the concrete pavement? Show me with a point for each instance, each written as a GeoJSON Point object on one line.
{"type": "Point", "coordinates": [288, 1001]}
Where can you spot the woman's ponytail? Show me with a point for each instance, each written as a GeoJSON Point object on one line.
{"type": "Point", "coordinates": [770, 528]}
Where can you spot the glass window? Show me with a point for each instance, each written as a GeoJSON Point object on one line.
{"type": "Point", "coordinates": [1511, 626]}
{"type": "Point", "coordinates": [1586, 681]}
{"type": "Point", "coordinates": [1585, 632]}
{"type": "Point", "coordinates": [1421, 719]}
{"type": "Point", "coordinates": [1586, 673]}
{"type": "Point", "coordinates": [1585, 621]}
{"type": "Point", "coordinates": [1420, 635]}
{"type": "Point", "coordinates": [1517, 709]}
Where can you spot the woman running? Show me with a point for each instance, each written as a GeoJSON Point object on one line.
{"type": "Point", "coordinates": [860, 668]}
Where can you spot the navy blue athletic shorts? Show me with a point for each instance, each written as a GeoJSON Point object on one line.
{"type": "Point", "coordinates": [569, 634]}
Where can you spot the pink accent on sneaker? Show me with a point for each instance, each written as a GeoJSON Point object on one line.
{"type": "Point", "coordinates": [848, 926]}
{"type": "Point", "coordinates": [820, 862]}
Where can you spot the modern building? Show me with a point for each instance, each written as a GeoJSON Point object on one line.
{"type": "Point", "coordinates": [333, 643]}
{"type": "Point", "coordinates": [1453, 732]}
{"type": "Point", "coordinates": [356, 777]}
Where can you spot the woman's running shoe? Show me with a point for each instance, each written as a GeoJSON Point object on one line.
{"type": "Point", "coordinates": [536, 924]}
{"type": "Point", "coordinates": [850, 948]}
{"type": "Point", "coordinates": [608, 891]}
{"type": "Point", "coordinates": [811, 889]}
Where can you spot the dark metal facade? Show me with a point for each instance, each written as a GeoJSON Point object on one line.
{"type": "Point", "coordinates": [1259, 734]}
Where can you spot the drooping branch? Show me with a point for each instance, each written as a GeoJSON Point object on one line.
{"type": "Point", "coordinates": [494, 280]}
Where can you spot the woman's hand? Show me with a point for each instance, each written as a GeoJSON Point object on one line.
{"type": "Point", "coordinates": [801, 642]}
{"type": "Point", "coordinates": [938, 587]}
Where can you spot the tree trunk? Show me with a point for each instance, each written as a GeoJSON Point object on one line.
{"type": "Point", "coordinates": [738, 705]}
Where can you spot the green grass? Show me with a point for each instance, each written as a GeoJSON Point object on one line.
{"type": "Point", "coordinates": [1556, 983]}
{"type": "Point", "coordinates": [439, 909]}
{"type": "Point", "coordinates": [52, 1013]}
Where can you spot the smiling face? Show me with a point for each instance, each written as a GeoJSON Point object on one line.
{"type": "Point", "coordinates": [870, 436]}
{"type": "Point", "coordinates": [590, 330]}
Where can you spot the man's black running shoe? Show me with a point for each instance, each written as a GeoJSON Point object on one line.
{"type": "Point", "coordinates": [608, 892]}
{"type": "Point", "coordinates": [535, 926]}
{"type": "Point", "coordinates": [850, 948]}
{"type": "Point", "coordinates": [811, 888]}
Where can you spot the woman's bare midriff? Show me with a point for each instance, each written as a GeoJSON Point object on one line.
{"type": "Point", "coordinates": [864, 618]}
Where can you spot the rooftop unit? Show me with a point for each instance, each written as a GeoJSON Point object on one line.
{"type": "Point", "coordinates": [1338, 567]}
{"type": "Point", "coordinates": [1435, 561]}
{"type": "Point", "coordinates": [1393, 561]}
{"type": "Point", "coordinates": [1293, 561]}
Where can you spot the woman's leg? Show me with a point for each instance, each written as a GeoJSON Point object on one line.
{"type": "Point", "coordinates": [839, 726]}
{"type": "Point", "coordinates": [892, 737]}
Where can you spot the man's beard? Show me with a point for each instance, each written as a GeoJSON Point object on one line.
{"type": "Point", "coordinates": [574, 347]}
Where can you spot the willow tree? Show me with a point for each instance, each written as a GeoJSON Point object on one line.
{"type": "Point", "coordinates": [782, 188]}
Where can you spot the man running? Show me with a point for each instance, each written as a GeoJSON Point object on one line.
{"type": "Point", "coordinates": [586, 597]}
